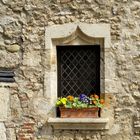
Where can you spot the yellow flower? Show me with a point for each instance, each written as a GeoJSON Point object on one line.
{"type": "Point", "coordinates": [58, 103]}
{"type": "Point", "coordinates": [70, 98]}
{"type": "Point", "coordinates": [63, 100]}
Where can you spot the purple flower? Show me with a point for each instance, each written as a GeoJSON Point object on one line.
{"type": "Point", "coordinates": [84, 98]}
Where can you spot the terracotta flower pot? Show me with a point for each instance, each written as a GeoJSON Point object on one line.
{"type": "Point", "coordinates": [79, 113]}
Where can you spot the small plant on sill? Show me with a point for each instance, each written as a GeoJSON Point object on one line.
{"type": "Point", "coordinates": [79, 107]}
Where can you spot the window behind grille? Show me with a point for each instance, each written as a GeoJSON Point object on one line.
{"type": "Point", "coordinates": [78, 70]}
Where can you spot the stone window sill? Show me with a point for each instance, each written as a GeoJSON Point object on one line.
{"type": "Point", "coordinates": [79, 123]}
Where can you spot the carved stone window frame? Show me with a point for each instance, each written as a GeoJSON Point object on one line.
{"type": "Point", "coordinates": [74, 34]}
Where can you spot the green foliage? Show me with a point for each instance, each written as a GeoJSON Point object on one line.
{"type": "Point", "coordinates": [61, 102]}
{"type": "Point", "coordinates": [75, 102]}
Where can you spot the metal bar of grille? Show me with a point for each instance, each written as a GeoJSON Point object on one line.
{"type": "Point", "coordinates": [78, 70]}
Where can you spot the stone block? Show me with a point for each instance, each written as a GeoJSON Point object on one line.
{"type": "Point", "coordinates": [32, 58]}
{"type": "Point", "coordinates": [13, 48]}
{"type": "Point", "coordinates": [11, 134]}
{"type": "Point", "coordinates": [112, 86]}
{"type": "Point", "coordinates": [4, 20]}
{"type": "Point", "coordinates": [79, 123]}
{"type": "Point", "coordinates": [2, 131]}
{"type": "Point", "coordinates": [42, 107]}
{"type": "Point", "coordinates": [65, 1]}
{"type": "Point", "coordinates": [8, 60]}
{"type": "Point", "coordinates": [110, 65]}
{"type": "Point", "coordinates": [1, 29]}
{"type": "Point", "coordinates": [115, 129]}
{"type": "Point", "coordinates": [4, 103]}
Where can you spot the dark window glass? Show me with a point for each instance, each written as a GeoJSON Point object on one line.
{"type": "Point", "coordinates": [78, 70]}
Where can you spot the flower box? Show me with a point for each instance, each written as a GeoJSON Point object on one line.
{"type": "Point", "coordinates": [79, 107]}
{"type": "Point", "coordinates": [79, 113]}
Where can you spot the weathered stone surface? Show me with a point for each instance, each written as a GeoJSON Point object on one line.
{"type": "Point", "coordinates": [8, 60]}
{"type": "Point", "coordinates": [32, 58]}
{"type": "Point", "coordinates": [1, 29]}
{"type": "Point", "coordinates": [65, 1]}
{"type": "Point", "coordinates": [42, 107]}
{"type": "Point", "coordinates": [33, 74]}
{"type": "Point", "coordinates": [11, 134]}
{"type": "Point", "coordinates": [6, 20]}
{"type": "Point", "coordinates": [12, 30]}
{"type": "Point", "coordinates": [4, 103]}
{"type": "Point", "coordinates": [13, 48]}
{"type": "Point", "coordinates": [2, 131]}
{"type": "Point", "coordinates": [2, 47]}
{"type": "Point", "coordinates": [115, 129]}
{"type": "Point", "coordinates": [136, 95]}
{"type": "Point", "coordinates": [22, 22]}
{"type": "Point", "coordinates": [4, 1]}
{"type": "Point", "coordinates": [16, 111]}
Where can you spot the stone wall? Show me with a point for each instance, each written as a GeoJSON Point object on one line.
{"type": "Point", "coordinates": [23, 113]}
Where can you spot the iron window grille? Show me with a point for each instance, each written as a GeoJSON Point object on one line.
{"type": "Point", "coordinates": [78, 70]}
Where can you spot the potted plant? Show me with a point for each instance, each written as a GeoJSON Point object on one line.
{"type": "Point", "coordinates": [79, 107]}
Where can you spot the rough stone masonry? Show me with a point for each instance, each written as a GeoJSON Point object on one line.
{"type": "Point", "coordinates": [22, 43]}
